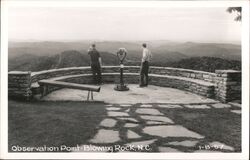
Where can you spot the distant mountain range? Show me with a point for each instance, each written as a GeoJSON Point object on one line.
{"type": "Point", "coordinates": [225, 51]}
{"type": "Point", "coordinates": [36, 56]}
{"type": "Point", "coordinates": [70, 58]}
{"type": "Point", "coordinates": [209, 64]}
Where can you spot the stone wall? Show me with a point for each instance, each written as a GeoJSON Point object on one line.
{"type": "Point", "coordinates": [226, 85]}
{"type": "Point", "coordinates": [19, 85]}
{"type": "Point", "coordinates": [201, 75]}
{"type": "Point", "coordinates": [206, 76]}
{"type": "Point", "coordinates": [107, 78]}
{"type": "Point", "coordinates": [205, 89]}
{"type": "Point", "coordinates": [46, 74]}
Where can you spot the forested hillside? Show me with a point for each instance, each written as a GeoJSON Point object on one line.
{"type": "Point", "coordinates": [36, 56]}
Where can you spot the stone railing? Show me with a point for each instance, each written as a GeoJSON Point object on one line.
{"type": "Point", "coordinates": [224, 85]}
{"type": "Point", "coordinates": [206, 76]}
{"type": "Point", "coordinates": [228, 84]}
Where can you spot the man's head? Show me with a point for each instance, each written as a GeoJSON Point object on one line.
{"type": "Point", "coordinates": [93, 45]}
{"type": "Point", "coordinates": [144, 45]}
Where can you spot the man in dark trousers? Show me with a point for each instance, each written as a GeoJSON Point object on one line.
{"type": "Point", "coordinates": [146, 58]}
{"type": "Point", "coordinates": [96, 64]}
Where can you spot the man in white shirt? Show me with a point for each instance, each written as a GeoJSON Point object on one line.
{"type": "Point", "coordinates": [146, 58]}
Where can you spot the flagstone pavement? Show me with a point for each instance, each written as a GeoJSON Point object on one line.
{"type": "Point", "coordinates": [135, 123]}
{"type": "Point", "coordinates": [127, 127]}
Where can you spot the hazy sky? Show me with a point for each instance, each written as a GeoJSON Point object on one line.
{"type": "Point", "coordinates": [72, 23]}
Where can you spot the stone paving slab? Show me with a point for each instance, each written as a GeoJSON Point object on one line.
{"type": "Point", "coordinates": [221, 105]}
{"type": "Point", "coordinates": [144, 143]}
{"type": "Point", "coordinates": [202, 106]}
{"type": "Point", "coordinates": [155, 123]}
{"type": "Point", "coordinates": [108, 105]}
{"type": "Point", "coordinates": [148, 111]}
{"type": "Point", "coordinates": [106, 136]}
{"type": "Point", "coordinates": [236, 111]}
{"type": "Point", "coordinates": [132, 135]}
{"type": "Point", "coordinates": [130, 125]}
{"type": "Point", "coordinates": [128, 119]}
{"type": "Point", "coordinates": [113, 108]}
{"type": "Point", "coordinates": [186, 143]}
{"type": "Point", "coordinates": [127, 110]}
{"type": "Point", "coordinates": [171, 131]}
{"type": "Point", "coordinates": [167, 149]}
{"type": "Point", "coordinates": [169, 106]}
{"type": "Point", "coordinates": [116, 114]}
{"type": "Point", "coordinates": [158, 118]}
{"type": "Point", "coordinates": [146, 105]}
{"type": "Point", "coordinates": [108, 122]}
{"type": "Point", "coordinates": [125, 105]}
{"type": "Point", "coordinates": [235, 104]}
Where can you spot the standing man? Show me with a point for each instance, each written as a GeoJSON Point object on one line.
{"type": "Point", "coordinates": [146, 58]}
{"type": "Point", "coordinates": [96, 64]}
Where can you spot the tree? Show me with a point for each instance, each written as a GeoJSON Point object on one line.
{"type": "Point", "coordinates": [237, 10]}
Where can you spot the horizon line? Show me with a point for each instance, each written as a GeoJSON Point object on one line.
{"type": "Point", "coordinates": [109, 40]}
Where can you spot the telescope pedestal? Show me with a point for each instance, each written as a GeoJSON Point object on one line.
{"type": "Point", "coordinates": [121, 86]}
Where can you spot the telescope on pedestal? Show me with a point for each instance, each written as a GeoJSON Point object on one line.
{"type": "Point", "coordinates": [121, 54]}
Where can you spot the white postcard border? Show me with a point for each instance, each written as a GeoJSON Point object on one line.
{"type": "Point", "coordinates": [245, 80]}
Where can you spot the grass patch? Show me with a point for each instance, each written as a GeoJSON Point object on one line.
{"type": "Point", "coordinates": [215, 124]}
{"type": "Point", "coordinates": [36, 124]}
